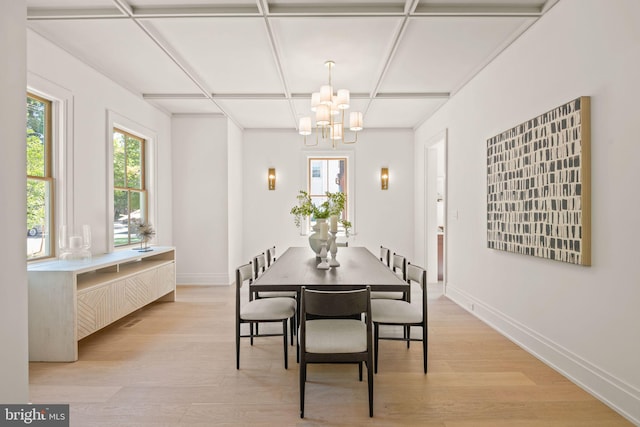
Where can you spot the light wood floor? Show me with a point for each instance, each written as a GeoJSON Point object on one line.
{"type": "Point", "coordinates": [173, 364]}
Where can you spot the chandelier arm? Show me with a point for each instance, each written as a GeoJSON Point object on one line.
{"type": "Point", "coordinates": [351, 142]}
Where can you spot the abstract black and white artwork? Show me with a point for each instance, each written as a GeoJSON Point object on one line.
{"type": "Point", "coordinates": [539, 185]}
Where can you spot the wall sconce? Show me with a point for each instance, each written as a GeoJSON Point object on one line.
{"type": "Point", "coordinates": [272, 178]}
{"type": "Point", "coordinates": [384, 178]}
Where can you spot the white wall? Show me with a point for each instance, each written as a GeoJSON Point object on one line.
{"type": "Point", "coordinates": [95, 97]}
{"type": "Point", "coordinates": [14, 356]}
{"type": "Point", "coordinates": [381, 217]}
{"type": "Point", "coordinates": [581, 320]}
{"type": "Point", "coordinates": [236, 202]}
{"type": "Point", "coordinates": [200, 198]}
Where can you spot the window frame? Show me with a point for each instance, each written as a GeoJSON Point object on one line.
{"type": "Point", "coordinates": [116, 120]}
{"type": "Point", "coordinates": [350, 174]}
{"type": "Point", "coordinates": [142, 191]}
{"type": "Point", "coordinates": [47, 178]}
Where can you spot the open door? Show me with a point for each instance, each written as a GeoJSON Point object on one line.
{"type": "Point", "coordinates": [436, 207]}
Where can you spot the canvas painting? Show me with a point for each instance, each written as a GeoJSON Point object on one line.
{"type": "Point", "coordinates": [539, 184]}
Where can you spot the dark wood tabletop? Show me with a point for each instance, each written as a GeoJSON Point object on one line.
{"type": "Point", "coordinates": [297, 267]}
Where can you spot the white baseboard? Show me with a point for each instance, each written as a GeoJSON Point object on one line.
{"type": "Point", "coordinates": [202, 279]}
{"type": "Point", "coordinates": [620, 396]}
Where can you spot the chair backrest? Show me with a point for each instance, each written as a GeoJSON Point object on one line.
{"type": "Point", "coordinates": [244, 273]}
{"type": "Point", "coordinates": [385, 256]}
{"type": "Point", "coordinates": [419, 275]}
{"type": "Point", "coordinates": [400, 262]}
{"type": "Point", "coordinates": [259, 264]}
{"type": "Point", "coordinates": [271, 255]}
{"type": "Point", "coordinates": [335, 303]}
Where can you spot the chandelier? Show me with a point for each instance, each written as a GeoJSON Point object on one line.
{"type": "Point", "coordinates": [329, 109]}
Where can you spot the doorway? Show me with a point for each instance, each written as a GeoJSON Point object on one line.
{"type": "Point", "coordinates": [436, 207]}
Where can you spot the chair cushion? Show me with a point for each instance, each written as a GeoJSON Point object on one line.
{"type": "Point", "coordinates": [336, 336]}
{"type": "Point", "coordinates": [268, 309]}
{"type": "Point", "coordinates": [277, 294]}
{"type": "Point", "coordinates": [386, 295]}
{"type": "Point", "coordinates": [393, 311]}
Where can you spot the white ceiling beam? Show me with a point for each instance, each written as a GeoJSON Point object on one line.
{"type": "Point", "coordinates": [195, 11]}
{"type": "Point", "coordinates": [63, 14]}
{"type": "Point", "coordinates": [294, 96]}
{"type": "Point", "coordinates": [410, 8]}
{"type": "Point", "coordinates": [478, 11]}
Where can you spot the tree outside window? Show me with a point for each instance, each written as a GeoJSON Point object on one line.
{"type": "Point", "coordinates": [39, 179]}
{"type": "Point", "coordinates": [129, 195]}
{"type": "Point", "coordinates": [328, 174]}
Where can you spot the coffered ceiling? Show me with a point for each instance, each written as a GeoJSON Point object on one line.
{"type": "Point", "coordinates": [257, 61]}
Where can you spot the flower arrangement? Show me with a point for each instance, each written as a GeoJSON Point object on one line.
{"type": "Point", "coordinates": [334, 205]}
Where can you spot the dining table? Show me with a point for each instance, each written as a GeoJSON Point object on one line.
{"type": "Point", "coordinates": [298, 267]}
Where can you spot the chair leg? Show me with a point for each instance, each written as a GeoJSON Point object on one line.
{"type": "Point", "coordinates": [360, 371]}
{"type": "Point", "coordinates": [408, 336]}
{"type": "Point", "coordinates": [237, 345]}
{"type": "Point", "coordinates": [303, 378]}
{"type": "Point", "coordinates": [376, 333]}
{"type": "Point", "coordinates": [251, 332]}
{"type": "Point", "coordinates": [292, 321]}
{"type": "Point", "coordinates": [286, 344]}
{"type": "Point", "coordinates": [370, 384]}
{"type": "Point", "coordinates": [424, 347]}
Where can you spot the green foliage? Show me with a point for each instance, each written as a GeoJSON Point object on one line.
{"type": "Point", "coordinates": [36, 164]}
{"type": "Point", "coordinates": [334, 205]}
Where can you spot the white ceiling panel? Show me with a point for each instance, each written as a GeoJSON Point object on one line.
{"type": "Point", "coordinates": [358, 47]}
{"type": "Point", "coordinates": [400, 113]}
{"type": "Point", "coordinates": [440, 54]}
{"type": "Point", "coordinates": [269, 114]}
{"type": "Point", "coordinates": [121, 51]}
{"type": "Point", "coordinates": [231, 55]}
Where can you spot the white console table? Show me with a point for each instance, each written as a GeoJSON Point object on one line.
{"type": "Point", "coordinates": [69, 300]}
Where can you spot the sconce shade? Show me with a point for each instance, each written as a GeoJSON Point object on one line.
{"type": "Point", "coordinates": [336, 131]}
{"type": "Point", "coordinates": [322, 115]}
{"type": "Point", "coordinates": [315, 101]}
{"type": "Point", "coordinates": [272, 178]}
{"type": "Point", "coordinates": [355, 121]}
{"type": "Point", "coordinates": [342, 100]}
{"type": "Point", "coordinates": [384, 178]}
{"type": "Point", "coordinates": [305, 126]}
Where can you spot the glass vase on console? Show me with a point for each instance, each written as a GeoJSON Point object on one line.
{"type": "Point", "coordinates": [74, 246]}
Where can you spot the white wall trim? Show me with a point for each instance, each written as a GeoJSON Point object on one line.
{"type": "Point", "coordinates": [592, 379]}
{"type": "Point", "coordinates": [218, 279]}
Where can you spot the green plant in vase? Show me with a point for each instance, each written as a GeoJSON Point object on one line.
{"type": "Point", "coordinates": [332, 206]}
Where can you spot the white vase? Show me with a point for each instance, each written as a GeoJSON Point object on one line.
{"type": "Point", "coordinates": [314, 238]}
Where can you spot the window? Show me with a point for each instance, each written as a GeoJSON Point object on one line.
{"type": "Point", "coordinates": [328, 174]}
{"type": "Point", "coordinates": [39, 179]}
{"type": "Point", "coordinates": [129, 187]}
